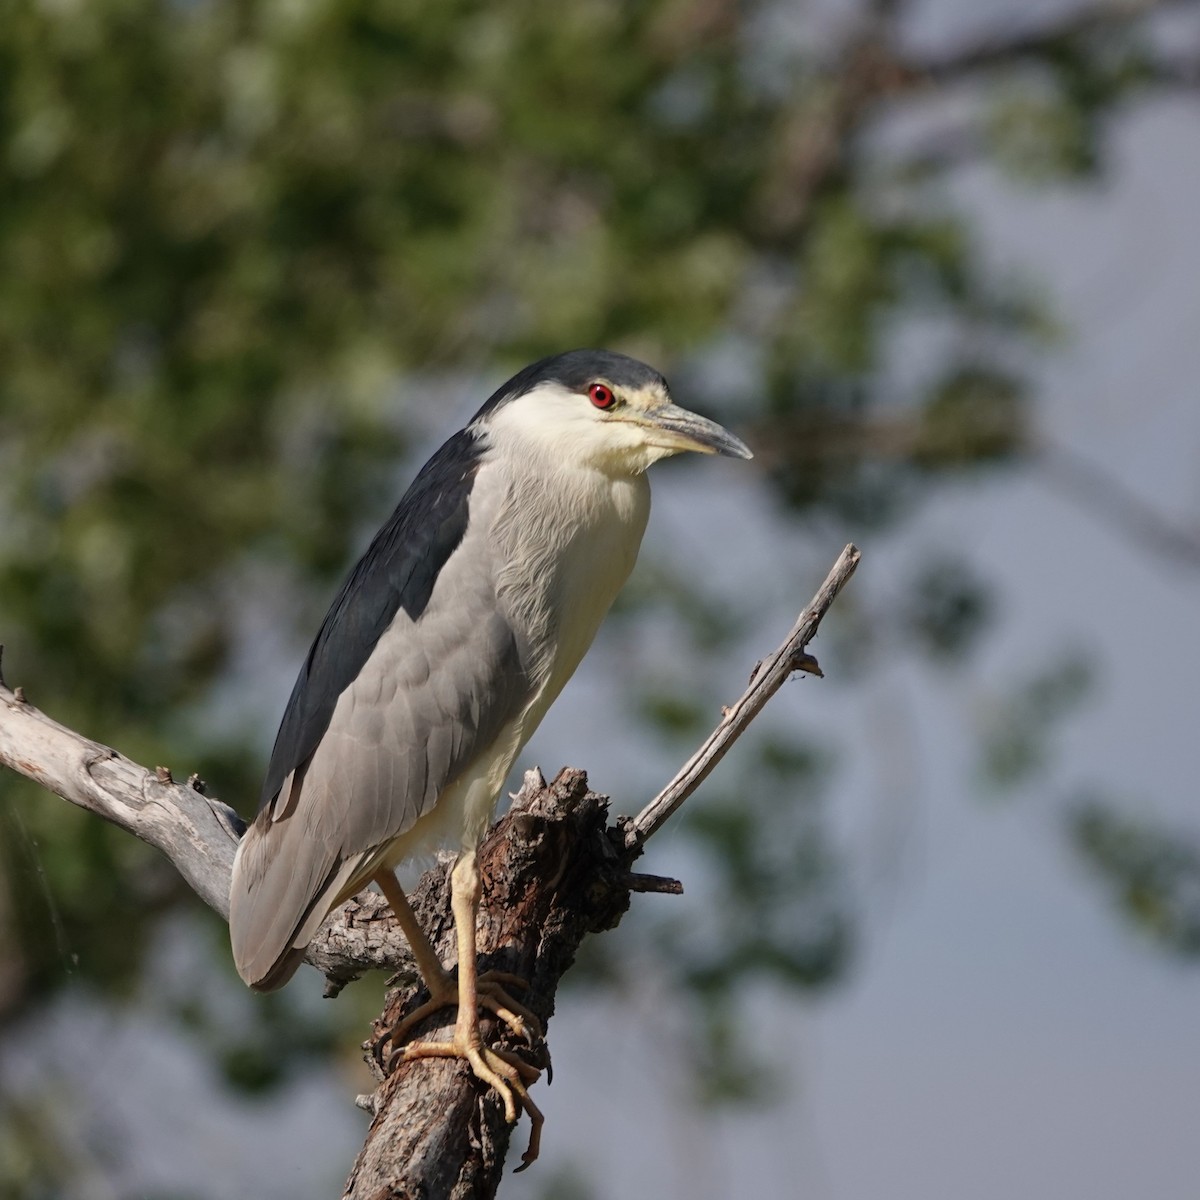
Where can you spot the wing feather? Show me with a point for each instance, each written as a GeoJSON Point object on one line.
{"type": "Point", "coordinates": [426, 704]}
{"type": "Point", "coordinates": [397, 572]}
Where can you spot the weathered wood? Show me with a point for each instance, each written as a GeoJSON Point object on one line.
{"type": "Point", "coordinates": [196, 832]}
{"type": "Point", "coordinates": [553, 870]}
{"type": "Point", "coordinates": [765, 680]}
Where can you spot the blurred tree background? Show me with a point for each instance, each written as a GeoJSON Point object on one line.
{"type": "Point", "coordinates": [255, 257]}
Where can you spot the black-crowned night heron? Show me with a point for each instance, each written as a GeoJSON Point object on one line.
{"type": "Point", "coordinates": [441, 654]}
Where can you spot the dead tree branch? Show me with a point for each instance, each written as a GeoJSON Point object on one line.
{"type": "Point", "coordinates": [553, 870]}
{"type": "Point", "coordinates": [198, 834]}
{"type": "Point", "coordinates": [768, 677]}
{"type": "Point", "coordinates": [1102, 494]}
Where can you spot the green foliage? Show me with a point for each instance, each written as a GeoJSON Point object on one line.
{"type": "Point", "coordinates": [64, 929]}
{"type": "Point", "coordinates": [666, 589]}
{"type": "Point", "coordinates": [249, 1057]}
{"type": "Point", "coordinates": [1042, 125]}
{"type": "Point", "coordinates": [565, 1183]}
{"type": "Point", "coordinates": [770, 861]}
{"type": "Point", "coordinates": [948, 608]}
{"type": "Point", "coordinates": [674, 714]}
{"type": "Point", "coordinates": [1039, 134]}
{"type": "Point", "coordinates": [1152, 873]}
{"type": "Point", "coordinates": [231, 233]}
{"type": "Point", "coordinates": [1021, 729]}
{"type": "Point", "coordinates": [973, 417]}
{"type": "Point", "coordinates": [34, 1165]}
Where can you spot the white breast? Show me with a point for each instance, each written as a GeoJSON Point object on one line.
{"type": "Point", "coordinates": [568, 540]}
{"type": "Point", "coordinates": [560, 563]}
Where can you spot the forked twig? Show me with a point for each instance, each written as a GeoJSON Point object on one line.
{"type": "Point", "coordinates": [768, 677]}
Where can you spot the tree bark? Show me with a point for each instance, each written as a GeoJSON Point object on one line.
{"type": "Point", "coordinates": [553, 870]}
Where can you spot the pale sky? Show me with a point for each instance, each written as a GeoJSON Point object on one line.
{"type": "Point", "coordinates": [1004, 1034]}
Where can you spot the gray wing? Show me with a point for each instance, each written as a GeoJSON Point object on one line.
{"type": "Point", "coordinates": [427, 703]}
{"type": "Point", "coordinates": [398, 571]}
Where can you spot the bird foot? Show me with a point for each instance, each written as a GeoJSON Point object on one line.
{"type": "Point", "coordinates": [490, 995]}
{"type": "Point", "coordinates": [501, 1070]}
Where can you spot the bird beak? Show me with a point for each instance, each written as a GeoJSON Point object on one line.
{"type": "Point", "coordinates": [687, 430]}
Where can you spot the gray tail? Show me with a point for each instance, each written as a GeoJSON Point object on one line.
{"type": "Point", "coordinates": [284, 885]}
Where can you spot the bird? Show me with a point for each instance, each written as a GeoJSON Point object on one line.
{"type": "Point", "coordinates": [441, 653]}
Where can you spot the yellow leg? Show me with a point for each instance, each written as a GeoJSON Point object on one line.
{"type": "Point", "coordinates": [430, 966]}
{"type": "Point", "coordinates": [504, 1072]}
{"type": "Point", "coordinates": [442, 991]}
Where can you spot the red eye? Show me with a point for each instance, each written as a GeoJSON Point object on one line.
{"type": "Point", "coordinates": [602, 396]}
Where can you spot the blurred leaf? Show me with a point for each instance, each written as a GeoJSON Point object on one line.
{"type": "Point", "coordinates": [674, 715]}
{"type": "Point", "coordinates": [1021, 729]}
{"type": "Point", "coordinates": [565, 1183]}
{"type": "Point", "coordinates": [1038, 135]}
{"type": "Point", "coordinates": [1152, 873]}
{"type": "Point", "coordinates": [729, 1067]}
{"type": "Point", "coordinates": [974, 417]}
{"type": "Point", "coordinates": [772, 903]}
{"type": "Point", "coordinates": [947, 608]}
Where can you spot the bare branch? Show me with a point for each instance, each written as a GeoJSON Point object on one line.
{"type": "Point", "coordinates": [662, 884]}
{"type": "Point", "coordinates": [197, 833]}
{"type": "Point", "coordinates": [767, 679]}
{"type": "Point", "coordinates": [1037, 40]}
{"type": "Point", "coordinates": [553, 870]}
{"type": "Point", "coordinates": [1104, 495]}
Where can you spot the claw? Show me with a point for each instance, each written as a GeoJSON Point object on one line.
{"type": "Point", "coordinates": [527, 1072]}
{"type": "Point", "coordinates": [513, 1013]}
{"type": "Point", "coordinates": [534, 1145]}
{"type": "Point", "coordinates": [501, 1070]}
{"type": "Point", "coordinates": [490, 996]}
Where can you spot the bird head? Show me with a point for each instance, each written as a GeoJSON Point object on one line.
{"type": "Point", "coordinates": [597, 408]}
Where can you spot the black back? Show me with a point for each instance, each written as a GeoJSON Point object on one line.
{"type": "Point", "coordinates": [397, 571]}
